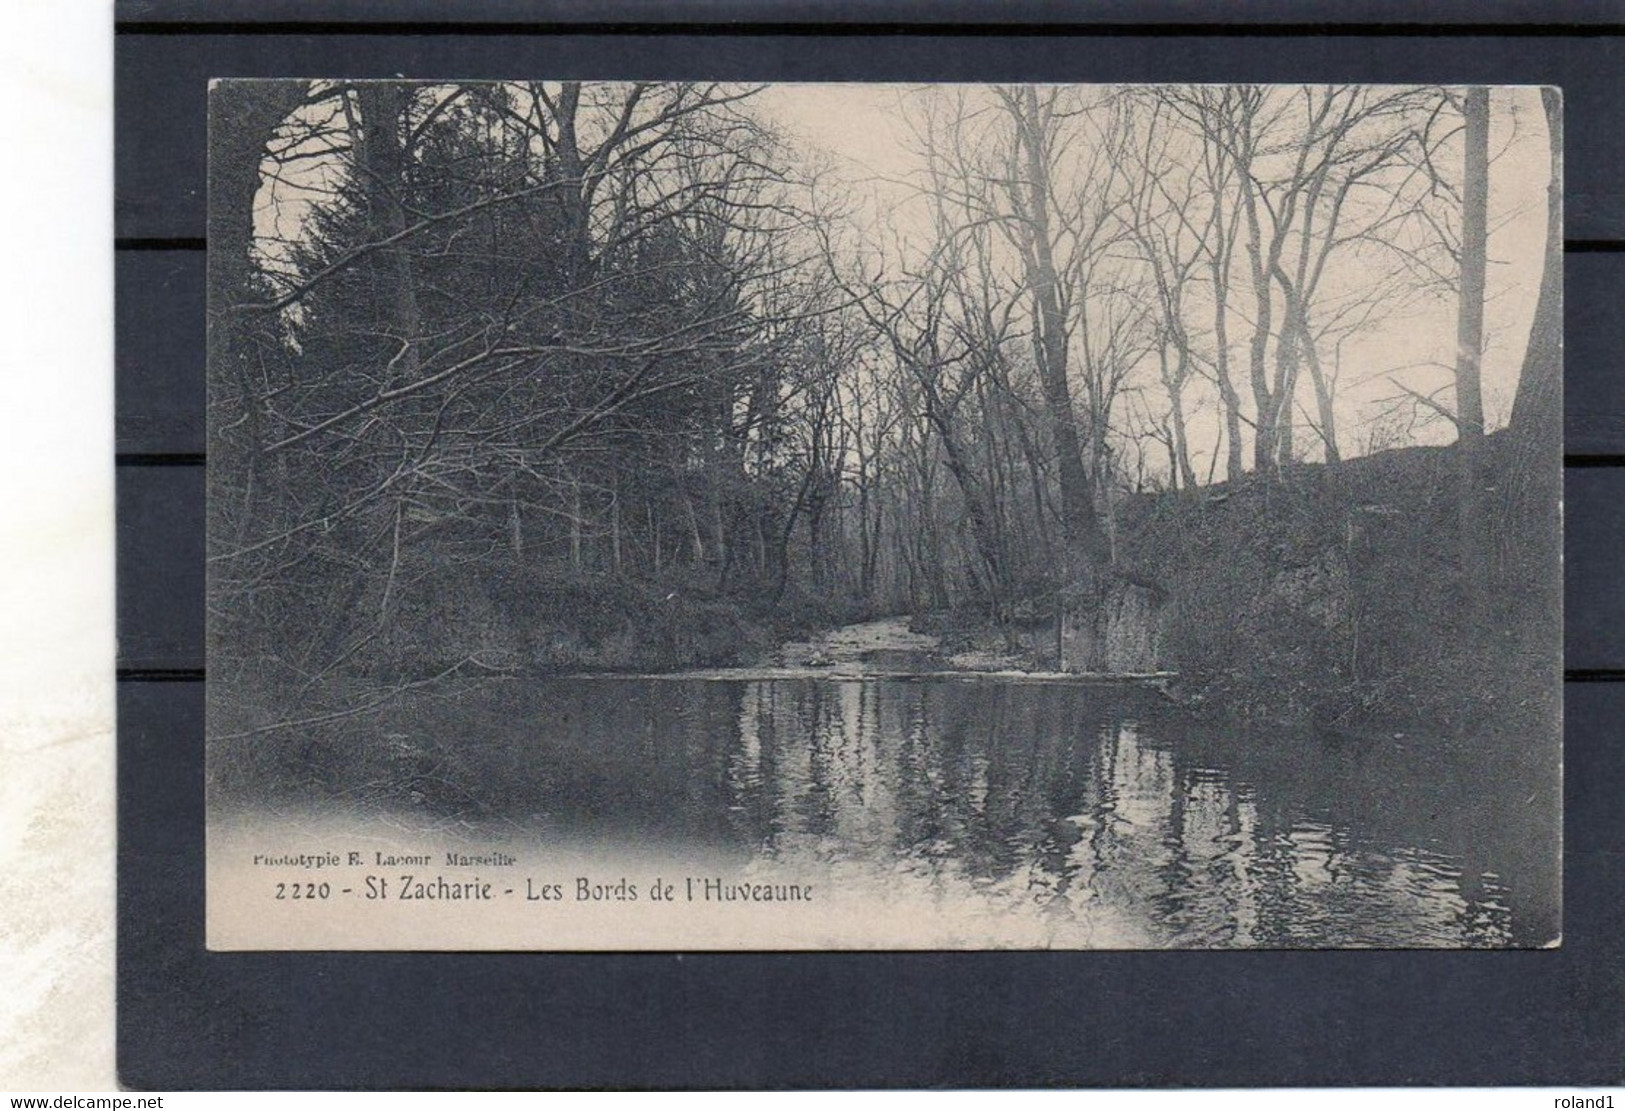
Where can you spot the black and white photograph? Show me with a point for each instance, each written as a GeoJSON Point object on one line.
{"type": "Point", "coordinates": [713, 516]}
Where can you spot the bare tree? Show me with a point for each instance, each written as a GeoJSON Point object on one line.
{"type": "Point", "coordinates": [1537, 411]}
{"type": "Point", "coordinates": [1475, 109]}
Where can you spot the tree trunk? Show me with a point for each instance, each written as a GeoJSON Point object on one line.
{"type": "Point", "coordinates": [1537, 410]}
{"type": "Point", "coordinates": [1179, 445]}
{"type": "Point", "coordinates": [1221, 369]}
{"type": "Point", "coordinates": [1082, 541]}
{"type": "Point", "coordinates": [1474, 239]}
{"type": "Point", "coordinates": [1264, 402]}
{"type": "Point", "coordinates": [1469, 348]}
{"type": "Point", "coordinates": [572, 191]}
{"type": "Point", "coordinates": [1288, 358]}
{"type": "Point", "coordinates": [1532, 496]}
{"type": "Point", "coordinates": [1325, 403]}
{"type": "Point", "coordinates": [385, 160]}
{"type": "Point", "coordinates": [243, 116]}
{"type": "Point", "coordinates": [983, 532]}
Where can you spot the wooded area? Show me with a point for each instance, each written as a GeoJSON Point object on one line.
{"type": "Point", "coordinates": [625, 364]}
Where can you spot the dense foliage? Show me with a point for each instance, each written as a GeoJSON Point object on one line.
{"type": "Point", "coordinates": [559, 374]}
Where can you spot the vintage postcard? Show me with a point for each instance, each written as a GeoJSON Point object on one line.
{"type": "Point", "coordinates": [674, 516]}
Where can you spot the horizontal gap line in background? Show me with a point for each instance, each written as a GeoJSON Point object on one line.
{"type": "Point", "coordinates": [160, 459]}
{"type": "Point", "coordinates": [858, 29]}
{"type": "Point", "coordinates": [196, 675]}
{"type": "Point", "coordinates": [160, 243]}
{"type": "Point", "coordinates": [198, 459]}
{"type": "Point", "coordinates": [159, 674]}
{"type": "Point", "coordinates": [199, 243]}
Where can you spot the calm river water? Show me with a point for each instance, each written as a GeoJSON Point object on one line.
{"type": "Point", "coordinates": [1095, 814]}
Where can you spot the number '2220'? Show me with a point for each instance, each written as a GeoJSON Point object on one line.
{"type": "Point", "coordinates": [303, 890]}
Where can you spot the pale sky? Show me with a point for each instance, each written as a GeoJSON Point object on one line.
{"type": "Point", "coordinates": [863, 129]}
{"type": "Point", "coordinates": [862, 134]}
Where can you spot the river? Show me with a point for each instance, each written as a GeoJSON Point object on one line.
{"type": "Point", "coordinates": [963, 811]}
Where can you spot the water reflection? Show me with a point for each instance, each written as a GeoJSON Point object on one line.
{"type": "Point", "coordinates": [1091, 816]}
{"type": "Point", "coordinates": [1078, 799]}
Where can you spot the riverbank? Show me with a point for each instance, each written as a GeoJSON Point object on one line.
{"type": "Point", "coordinates": [887, 648]}
{"type": "Point", "coordinates": [1331, 596]}
{"type": "Point", "coordinates": [541, 621]}
{"type": "Point", "coordinates": [1335, 597]}
{"type": "Point", "coordinates": [1344, 596]}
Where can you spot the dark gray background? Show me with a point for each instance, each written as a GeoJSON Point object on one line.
{"type": "Point", "coordinates": [193, 1019]}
